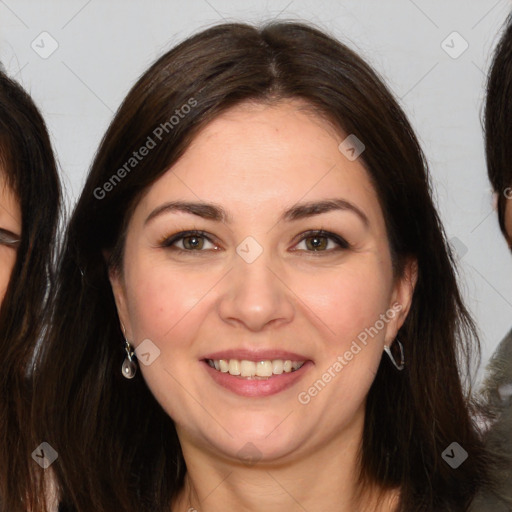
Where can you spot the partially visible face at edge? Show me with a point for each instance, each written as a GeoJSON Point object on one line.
{"type": "Point", "coordinates": [257, 161]}
{"type": "Point", "coordinates": [10, 230]}
{"type": "Point", "coordinates": [508, 216]}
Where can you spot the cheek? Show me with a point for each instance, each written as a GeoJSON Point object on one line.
{"type": "Point", "coordinates": [351, 303]}
{"type": "Point", "coordinates": [164, 305]}
{"type": "Point", "coordinates": [348, 300]}
{"type": "Point", "coordinates": [162, 299]}
{"type": "Point", "coordinates": [341, 303]}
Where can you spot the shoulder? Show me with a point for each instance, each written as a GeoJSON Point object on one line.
{"type": "Point", "coordinates": [497, 391]}
{"type": "Point", "coordinates": [498, 381]}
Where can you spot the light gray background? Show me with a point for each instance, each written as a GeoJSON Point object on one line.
{"type": "Point", "coordinates": [104, 46]}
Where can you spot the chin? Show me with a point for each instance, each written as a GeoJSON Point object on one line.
{"type": "Point", "coordinates": [258, 445]}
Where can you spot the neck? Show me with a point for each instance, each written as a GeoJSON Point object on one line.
{"type": "Point", "coordinates": [323, 478]}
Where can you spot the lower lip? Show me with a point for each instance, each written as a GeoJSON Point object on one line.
{"type": "Point", "coordinates": [256, 387]}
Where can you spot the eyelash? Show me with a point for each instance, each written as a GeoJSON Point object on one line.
{"type": "Point", "coordinates": [168, 241]}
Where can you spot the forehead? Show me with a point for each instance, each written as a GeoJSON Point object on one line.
{"type": "Point", "coordinates": [257, 159]}
{"type": "Point", "coordinates": [290, 127]}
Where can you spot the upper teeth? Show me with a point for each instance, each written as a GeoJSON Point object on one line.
{"type": "Point", "coordinates": [246, 368]}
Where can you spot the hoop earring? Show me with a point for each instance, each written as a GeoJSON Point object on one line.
{"type": "Point", "coordinates": [400, 366]}
{"type": "Point", "coordinates": [129, 368]}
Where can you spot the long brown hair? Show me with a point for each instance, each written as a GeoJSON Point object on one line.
{"type": "Point", "coordinates": [27, 161]}
{"type": "Point", "coordinates": [118, 449]}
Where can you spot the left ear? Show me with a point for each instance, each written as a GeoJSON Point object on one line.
{"type": "Point", "coordinates": [401, 299]}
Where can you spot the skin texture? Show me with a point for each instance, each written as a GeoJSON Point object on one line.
{"type": "Point", "coordinates": [255, 161]}
{"type": "Point", "coordinates": [10, 220]}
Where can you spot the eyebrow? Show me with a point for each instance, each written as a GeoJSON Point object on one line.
{"type": "Point", "coordinates": [9, 238]}
{"type": "Point", "coordinates": [216, 213]}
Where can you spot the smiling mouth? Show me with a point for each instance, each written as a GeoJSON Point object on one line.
{"type": "Point", "coordinates": [255, 369]}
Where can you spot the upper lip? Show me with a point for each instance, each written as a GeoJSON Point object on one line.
{"type": "Point", "coordinates": [255, 355]}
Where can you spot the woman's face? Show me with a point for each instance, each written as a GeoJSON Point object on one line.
{"type": "Point", "coordinates": [508, 215]}
{"type": "Point", "coordinates": [261, 286]}
{"type": "Point", "coordinates": [10, 230]}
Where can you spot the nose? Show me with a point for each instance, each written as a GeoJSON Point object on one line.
{"type": "Point", "coordinates": [256, 295]}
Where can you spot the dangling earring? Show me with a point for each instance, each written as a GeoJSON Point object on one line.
{"type": "Point", "coordinates": [402, 359]}
{"type": "Point", "coordinates": [129, 368]}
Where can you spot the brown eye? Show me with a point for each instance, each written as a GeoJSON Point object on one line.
{"type": "Point", "coordinates": [188, 241]}
{"type": "Point", "coordinates": [323, 241]}
{"type": "Point", "coordinates": [316, 243]}
{"type": "Point", "coordinates": [193, 242]}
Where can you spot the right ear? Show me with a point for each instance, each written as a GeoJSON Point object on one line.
{"type": "Point", "coordinates": [119, 291]}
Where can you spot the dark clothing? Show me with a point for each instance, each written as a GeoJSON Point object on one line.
{"type": "Point", "coordinates": [498, 393]}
